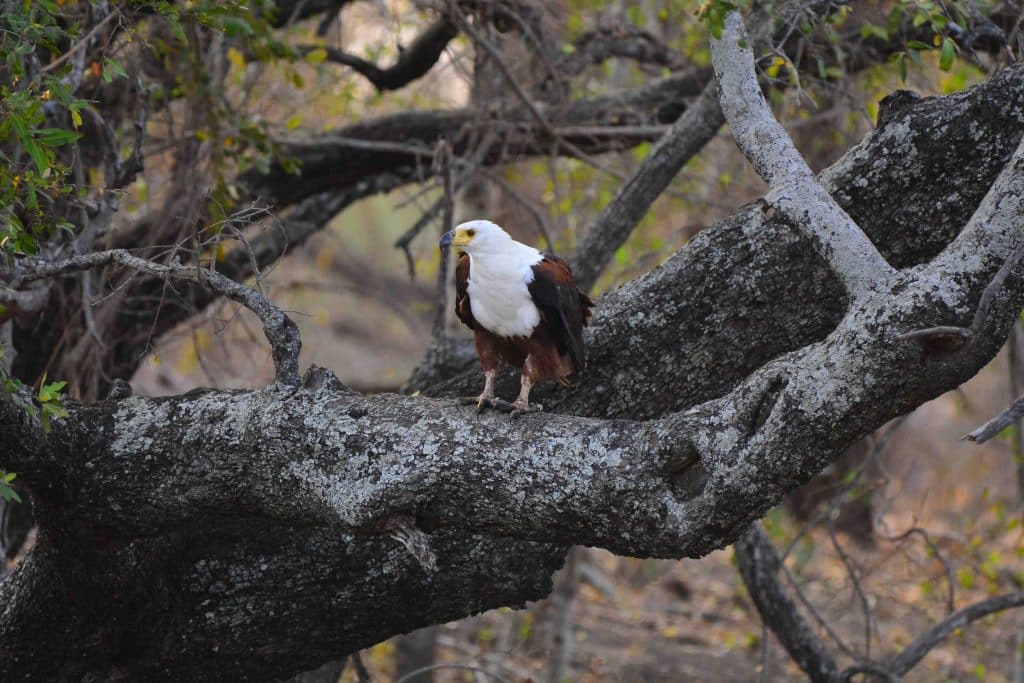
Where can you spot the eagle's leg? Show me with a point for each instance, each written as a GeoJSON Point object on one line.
{"type": "Point", "coordinates": [487, 350]}
{"type": "Point", "coordinates": [522, 403]}
{"type": "Point", "coordinates": [486, 397]}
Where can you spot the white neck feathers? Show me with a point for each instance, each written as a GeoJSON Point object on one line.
{"type": "Point", "coordinates": [498, 289]}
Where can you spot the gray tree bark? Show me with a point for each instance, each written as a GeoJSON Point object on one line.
{"type": "Point", "coordinates": [251, 534]}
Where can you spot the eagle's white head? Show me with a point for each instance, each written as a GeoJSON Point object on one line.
{"type": "Point", "coordinates": [480, 238]}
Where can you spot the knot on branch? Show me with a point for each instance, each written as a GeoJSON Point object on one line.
{"type": "Point", "coordinates": [403, 529]}
{"type": "Point", "coordinates": [894, 104]}
{"type": "Point", "coordinates": [317, 378]}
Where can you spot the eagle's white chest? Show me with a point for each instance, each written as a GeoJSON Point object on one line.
{"type": "Point", "coordinates": [499, 295]}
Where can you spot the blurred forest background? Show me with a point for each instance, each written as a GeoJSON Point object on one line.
{"type": "Point", "coordinates": [911, 523]}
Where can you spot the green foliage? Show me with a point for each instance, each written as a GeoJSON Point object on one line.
{"type": "Point", "coordinates": [7, 493]}
{"type": "Point", "coordinates": [32, 174]}
{"type": "Point", "coordinates": [920, 17]}
{"type": "Point", "coordinates": [50, 402]}
{"type": "Point", "coordinates": [712, 13]}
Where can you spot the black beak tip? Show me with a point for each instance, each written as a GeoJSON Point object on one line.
{"type": "Point", "coordinates": [447, 239]}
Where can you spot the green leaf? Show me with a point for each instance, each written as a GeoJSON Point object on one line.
{"type": "Point", "coordinates": [50, 411]}
{"type": "Point", "coordinates": [948, 52]}
{"type": "Point", "coordinates": [176, 28]}
{"type": "Point", "coordinates": [237, 26]}
{"type": "Point", "coordinates": [110, 65]}
{"type": "Point", "coordinates": [868, 30]}
{"type": "Point", "coordinates": [51, 392]}
{"type": "Point", "coordinates": [8, 494]}
{"type": "Point", "coordinates": [316, 56]}
{"type": "Point", "coordinates": [31, 146]}
{"type": "Point", "coordinates": [918, 45]}
{"type": "Point", "coordinates": [55, 137]}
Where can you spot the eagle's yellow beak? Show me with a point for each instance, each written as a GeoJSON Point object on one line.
{"type": "Point", "coordinates": [456, 238]}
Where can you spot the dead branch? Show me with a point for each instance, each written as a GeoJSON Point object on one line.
{"type": "Point", "coordinates": [759, 565]}
{"type": "Point", "coordinates": [279, 329]}
{"type": "Point", "coordinates": [413, 62]}
{"type": "Point", "coordinates": [924, 643]}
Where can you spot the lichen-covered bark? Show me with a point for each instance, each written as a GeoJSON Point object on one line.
{"type": "Point", "coordinates": [231, 535]}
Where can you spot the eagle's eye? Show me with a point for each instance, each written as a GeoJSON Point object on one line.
{"type": "Point", "coordinates": [471, 232]}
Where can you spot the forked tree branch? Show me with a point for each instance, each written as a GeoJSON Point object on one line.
{"type": "Point", "coordinates": [413, 62]}
{"type": "Point", "coordinates": [794, 189]}
{"type": "Point", "coordinates": [759, 564]}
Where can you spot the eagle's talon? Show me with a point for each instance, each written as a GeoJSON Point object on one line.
{"type": "Point", "coordinates": [520, 408]}
{"type": "Point", "coordinates": [484, 402]}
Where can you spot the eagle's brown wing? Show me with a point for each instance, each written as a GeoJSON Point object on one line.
{"type": "Point", "coordinates": [462, 308]}
{"type": "Point", "coordinates": [564, 309]}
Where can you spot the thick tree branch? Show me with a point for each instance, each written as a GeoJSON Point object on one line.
{"type": "Point", "coordinates": [400, 145]}
{"type": "Point", "coordinates": [248, 492]}
{"type": "Point", "coordinates": [794, 189]}
{"type": "Point", "coordinates": [752, 274]}
{"type": "Point", "coordinates": [289, 11]}
{"type": "Point", "coordinates": [759, 564]}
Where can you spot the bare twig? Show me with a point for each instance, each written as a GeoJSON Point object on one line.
{"type": "Point", "coordinates": [279, 329]}
{"type": "Point", "coordinates": [961, 335]}
{"type": "Point", "coordinates": [851, 571]}
{"type": "Point", "coordinates": [447, 223]}
{"type": "Point", "coordinates": [877, 672]}
{"type": "Point", "coordinates": [998, 423]}
{"type": "Point", "coordinates": [442, 155]}
{"type": "Point", "coordinates": [455, 667]}
{"type": "Point", "coordinates": [519, 198]}
{"type": "Point", "coordinates": [564, 598]}
{"type": "Point", "coordinates": [946, 568]}
{"type": "Point", "coordinates": [362, 675]}
{"type": "Point", "coordinates": [916, 651]}
{"type": "Point", "coordinates": [525, 98]}
{"type": "Point", "coordinates": [623, 40]}
{"type": "Point", "coordinates": [80, 44]}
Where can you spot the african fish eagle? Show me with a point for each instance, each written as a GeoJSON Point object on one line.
{"type": "Point", "coordinates": [523, 307]}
